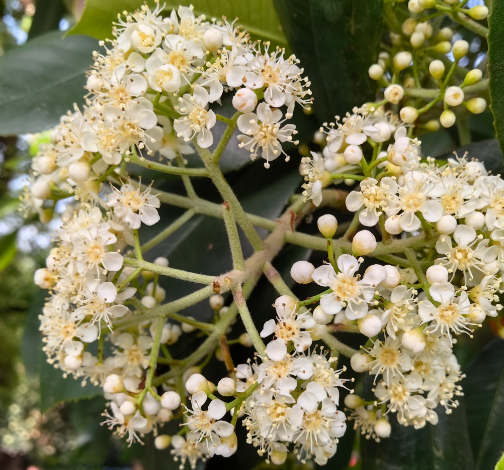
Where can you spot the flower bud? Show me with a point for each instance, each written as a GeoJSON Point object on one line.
{"type": "Point", "coordinates": [319, 138]}
{"type": "Point", "coordinates": [44, 278]}
{"type": "Point", "coordinates": [424, 28]}
{"type": "Point", "coordinates": [446, 224]}
{"type": "Point", "coordinates": [393, 226]}
{"type": "Point", "coordinates": [476, 314]}
{"type": "Point", "coordinates": [476, 220]}
{"type": "Point", "coordinates": [472, 77]}
{"type": "Point", "coordinates": [453, 96]}
{"type": "Point", "coordinates": [395, 39]}
{"type": "Point", "coordinates": [162, 261]}
{"type": "Point", "coordinates": [46, 164]}
{"type": "Point", "coordinates": [73, 362]}
{"type": "Point", "coordinates": [171, 400]}
{"type": "Point", "coordinates": [113, 384]}
{"type": "Point", "coordinates": [245, 100]}
{"type": "Point", "coordinates": [443, 47]}
{"type": "Point", "coordinates": [479, 12]}
{"type": "Point", "coordinates": [353, 401]}
{"type": "Point", "coordinates": [79, 171]}
{"type": "Point", "coordinates": [278, 456]}
{"type": "Point", "coordinates": [164, 415]}
{"type": "Point", "coordinates": [360, 362]}
{"type": "Point", "coordinates": [394, 93]}
{"type": "Point", "coordinates": [363, 243]}
{"type": "Point", "coordinates": [460, 49]}
{"type": "Point", "coordinates": [353, 154]}
{"type": "Point", "coordinates": [402, 60]}
{"type": "Point", "coordinates": [245, 340]}
{"type": "Point", "coordinates": [408, 114]}
{"type": "Point", "coordinates": [445, 34]}
{"type": "Point", "coordinates": [408, 82]}
{"type": "Point", "coordinates": [447, 118]}
{"type": "Point", "coordinates": [408, 26]}
{"type": "Point", "coordinates": [228, 445]}
{"type": "Point", "coordinates": [437, 69]}
{"type": "Point", "coordinates": [148, 275]}
{"type": "Point", "coordinates": [321, 317]}
{"type": "Point", "coordinates": [41, 189]}
{"type": "Point", "coordinates": [382, 428]}
{"type": "Point", "coordinates": [476, 105]}
{"type": "Point", "coordinates": [436, 274]}
{"type": "Point", "coordinates": [318, 331]}
{"type": "Point", "coordinates": [186, 327]}
{"type": "Point", "coordinates": [375, 72]}
{"type": "Point", "coordinates": [327, 225]}
{"type": "Point", "coordinates": [414, 7]}
{"type": "Point", "coordinates": [216, 302]}
{"type": "Point", "coordinates": [432, 125]}
{"type": "Point", "coordinates": [370, 325]}
{"type": "Point", "coordinates": [162, 442]}
{"type": "Point", "coordinates": [196, 383]}
{"type": "Point", "coordinates": [212, 39]}
{"type": "Point", "coordinates": [226, 387]}
{"type": "Point", "coordinates": [149, 301]}
{"type": "Point", "coordinates": [128, 408]}
{"type": "Point", "coordinates": [414, 340]}
{"type": "Point", "coordinates": [393, 277]}
{"type": "Point", "coordinates": [94, 84]}
{"type": "Point", "coordinates": [302, 271]}
{"type": "Point", "coordinates": [426, 4]}
{"type": "Point", "coordinates": [417, 39]}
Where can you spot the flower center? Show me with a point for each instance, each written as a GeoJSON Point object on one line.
{"type": "Point", "coordinates": [462, 256]}
{"type": "Point", "coordinates": [314, 421]}
{"type": "Point", "coordinates": [280, 369]}
{"type": "Point", "coordinates": [448, 314]}
{"type": "Point", "coordinates": [267, 134]}
{"type": "Point", "coordinates": [450, 202]}
{"type": "Point", "coordinates": [68, 330]}
{"type": "Point", "coordinates": [389, 357]}
{"type": "Point", "coordinates": [346, 288]}
{"type": "Point", "coordinates": [398, 393]}
{"type": "Point", "coordinates": [287, 330]}
{"type": "Point", "coordinates": [95, 252]}
{"type": "Point", "coordinates": [198, 117]}
{"type": "Point", "coordinates": [413, 201]}
{"type": "Point", "coordinates": [178, 60]}
{"type": "Point", "coordinates": [134, 355]}
{"type": "Point", "coordinates": [134, 200]}
{"type": "Point", "coordinates": [146, 39]}
{"type": "Point", "coordinates": [162, 76]}
{"type": "Point", "coordinates": [271, 75]}
{"type": "Point", "coordinates": [277, 412]}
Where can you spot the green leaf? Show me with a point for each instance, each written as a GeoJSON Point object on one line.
{"type": "Point", "coordinates": [257, 17]}
{"type": "Point", "coordinates": [7, 250]}
{"type": "Point", "coordinates": [444, 446]}
{"type": "Point", "coordinates": [41, 81]}
{"type": "Point", "coordinates": [336, 42]}
{"type": "Point", "coordinates": [47, 17]}
{"type": "Point", "coordinates": [484, 397]}
{"type": "Point", "coordinates": [500, 464]}
{"type": "Point", "coordinates": [496, 67]}
{"type": "Point", "coordinates": [8, 206]}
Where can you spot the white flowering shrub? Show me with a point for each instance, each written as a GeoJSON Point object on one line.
{"type": "Point", "coordinates": [416, 263]}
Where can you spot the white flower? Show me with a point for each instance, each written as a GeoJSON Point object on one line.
{"type": "Point", "coordinates": [196, 120]}
{"type": "Point", "coordinates": [129, 425]}
{"type": "Point", "coordinates": [404, 151]}
{"type": "Point", "coordinates": [484, 294]}
{"type": "Point", "coordinates": [326, 379]}
{"type": "Point", "coordinates": [347, 290]}
{"type": "Point", "coordinates": [459, 198]}
{"type": "Point", "coordinates": [208, 424]}
{"type": "Point", "coordinates": [448, 317]}
{"type": "Point", "coordinates": [465, 257]}
{"type": "Point", "coordinates": [376, 198]}
{"type": "Point", "coordinates": [491, 200]}
{"type": "Point", "coordinates": [264, 133]}
{"type": "Point", "coordinates": [134, 206]}
{"type": "Point", "coordinates": [401, 311]}
{"type": "Point", "coordinates": [188, 450]}
{"type": "Point", "coordinates": [314, 172]}
{"type": "Point", "coordinates": [389, 359]}
{"type": "Point", "coordinates": [162, 76]}
{"type": "Point", "coordinates": [133, 358]}
{"type": "Point", "coordinates": [179, 52]}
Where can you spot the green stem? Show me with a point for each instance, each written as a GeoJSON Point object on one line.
{"type": "Point", "coordinates": [338, 176]}
{"type": "Point", "coordinates": [233, 238]}
{"type": "Point", "coordinates": [331, 254]}
{"type": "Point", "coordinates": [138, 248]}
{"type": "Point", "coordinates": [238, 401]}
{"type": "Point", "coordinates": [377, 162]}
{"type": "Point", "coordinates": [336, 345]}
{"type": "Point", "coordinates": [186, 180]}
{"type": "Point", "coordinates": [314, 298]}
{"type": "Point", "coordinates": [170, 169]}
{"type": "Point", "coordinates": [132, 276]}
{"type": "Point", "coordinates": [226, 136]}
{"type": "Point", "coordinates": [250, 327]}
{"type": "Point", "coordinates": [411, 255]}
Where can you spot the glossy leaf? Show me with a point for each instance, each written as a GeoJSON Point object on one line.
{"type": "Point", "coordinates": [442, 447]}
{"type": "Point", "coordinates": [336, 41]}
{"type": "Point", "coordinates": [500, 464]}
{"type": "Point", "coordinates": [45, 78]}
{"type": "Point", "coordinates": [484, 397]}
{"type": "Point", "coordinates": [496, 67]}
{"type": "Point", "coordinates": [257, 17]}
{"type": "Point", "coordinates": [7, 250]}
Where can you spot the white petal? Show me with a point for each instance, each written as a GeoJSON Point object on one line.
{"type": "Point", "coordinates": [268, 328]}
{"type": "Point", "coordinates": [112, 261]}
{"type": "Point", "coordinates": [198, 400]}
{"type": "Point", "coordinates": [442, 292]}
{"type": "Point", "coordinates": [276, 350]}
{"type": "Point", "coordinates": [107, 292]}
{"type": "Point", "coordinates": [223, 429]}
{"type": "Point", "coordinates": [216, 409]}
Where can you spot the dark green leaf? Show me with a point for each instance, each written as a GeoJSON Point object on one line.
{"type": "Point", "coordinates": [486, 151]}
{"type": "Point", "coordinates": [442, 447]}
{"type": "Point", "coordinates": [500, 464]}
{"type": "Point", "coordinates": [336, 42]}
{"type": "Point", "coordinates": [484, 397]}
{"type": "Point", "coordinates": [47, 17]}
{"type": "Point", "coordinates": [7, 250]}
{"type": "Point", "coordinates": [41, 80]}
{"type": "Point", "coordinates": [257, 17]}
{"type": "Point", "coordinates": [496, 67]}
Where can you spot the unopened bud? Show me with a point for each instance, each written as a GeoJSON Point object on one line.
{"type": "Point", "coordinates": [94, 84]}
{"type": "Point", "coordinates": [162, 261]}
{"type": "Point", "coordinates": [245, 340]}
{"type": "Point", "coordinates": [476, 105]}
{"type": "Point", "coordinates": [417, 39]}
{"type": "Point", "coordinates": [363, 243]}
{"type": "Point", "coordinates": [44, 278]}
{"type": "Point", "coordinates": [414, 340]}
{"type": "Point", "coordinates": [453, 96]}
{"type": "Point", "coordinates": [394, 93]}
{"type": "Point", "coordinates": [113, 384]}
{"type": "Point", "coordinates": [278, 457]}
{"type": "Point", "coordinates": [370, 325]}
{"type": "Point", "coordinates": [245, 100]}
{"type": "Point", "coordinates": [226, 387]}
{"type": "Point", "coordinates": [393, 277]}
{"type": "Point", "coordinates": [382, 428]}
{"type": "Point", "coordinates": [443, 47]}
{"type": "Point", "coordinates": [432, 125]}
{"type": "Point", "coordinates": [476, 220]}
{"type": "Point", "coordinates": [447, 118]}
{"type": "Point", "coordinates": [353, 154]}
{"type": "Point", "coordinates": [408, 114]}
{"type": "Point", "coordinates": [327, 225]}
{"type": "Point", "coordinates": [73, 362]}
{"type": "Point", "coordinates": [162, 442]}
{"type": "Point", "coordinates": [472, 77]}
{"type": "Point", "coordinates": [402, 60]}
{"type": "Point", "coordinates": [446, 225]}
{"type": "Point", "coordinates": [445, 34]}
{"type": "Point", "coordinates": [149, 301]}
{"type": "Point", "coordinates": [216, 302]}
{"type": "Point", "coordinates": [424, 28]}
{"type": "Point", "coordinates": [79, 171]}
{"type": "Point", "coordinates": [302, 271]}
{"type": "Point", "coordinates": [393, 225]}
{"type": "Point", "coordinates": [408, 26]}
{"type": "Point", "coordinates": [41, 189]}
{"type": "Point", "coordinates": [321, 317]}
{"type": "Point", "coordinates": [353, 401]}
{"type": "Point", "coordinates": [360, 362]}
{"type": "Point", "coordinates": [196, 383]}
{"type": "Point", "coordinates": [437, 69]}
{"type": "Point", "coordinates": [436, 274]}
{"type": "Point", "coordinates": [46, 164]}
{"type": "Point", "coordinates": [375, 72]}
{"type": "Point", "coordinates": [164, 415]}
{"type": "Point", "coordinates": [285, 305]}
{"type": "Point", "coordinates": [460, 49]}
{"type": "Point", "coordinates": [212, 39]}
{"type": "Point", "coordinates": [128, 408]}
{"type": "Point", "coordinates": [426, 4]}
{"type": "Point", "coordinates": [476, 314]}
{"type": "Point", "coordinates": [170, 400]}
{"type": "Point", "coordinates": [188, 328]}
{"type": "Point", "coordinates": [479, 12]}
{"type": "Point", "coordinates": [414, 7]}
